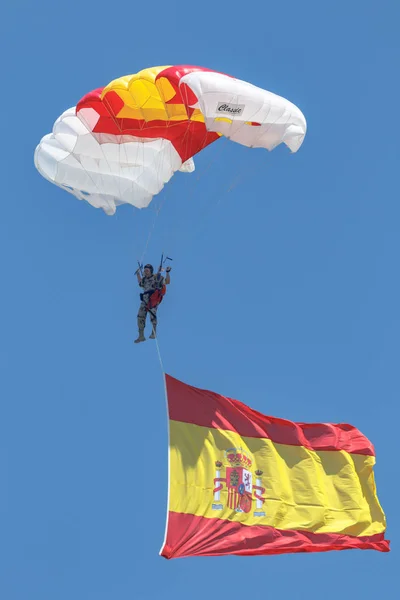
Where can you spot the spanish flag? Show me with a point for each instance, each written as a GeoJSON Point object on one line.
{"type": "Point", "coordinates": [244, 483]}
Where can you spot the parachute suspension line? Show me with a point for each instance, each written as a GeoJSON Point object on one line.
{"type": "Point", "coordinates": [151, 231]}
{"type": "Point", "coordinates": [199, 176]}
{"type": "Point", "coordinates": [245, 172]}
{"type": "Point", "coordinates": [158, 209]}
{"type": "Point", "coordinates": [166, 195]}
{"type": "Point", "coordinates": [243, 175]}
{"type": "Point", "coordinates": [167, 191]}
{"type": "Point", "coordinates": [220, 197]}
{"type": "Point", "coordinates": [157, 212]}
{"type": "Point", "coordinates": [208, 210]}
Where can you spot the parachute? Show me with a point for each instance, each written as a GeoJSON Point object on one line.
{"type": "Point", "coordinates": [122, 143]}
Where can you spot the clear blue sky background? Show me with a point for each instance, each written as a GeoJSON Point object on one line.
{"type": "Point", "coordinates": [285, 290]}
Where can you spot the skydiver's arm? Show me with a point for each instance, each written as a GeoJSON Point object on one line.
{"type": "Point", "coordinates": [139, 277]}
{"type": "Point", "coordinates": [167, 277]}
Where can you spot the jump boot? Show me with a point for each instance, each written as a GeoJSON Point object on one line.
{"type": "Point", "coordinates": [141, 337]}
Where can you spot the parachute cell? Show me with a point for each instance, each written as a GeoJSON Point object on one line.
{"type": "Point", "coordinates": [245, 113]}
{"type": "Point", "coordinates": [110, 173]}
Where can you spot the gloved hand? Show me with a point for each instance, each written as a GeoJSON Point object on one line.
{"type": "Point", "coordinates": [168, 269]}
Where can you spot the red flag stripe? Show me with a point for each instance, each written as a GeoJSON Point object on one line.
{"type": "Point", "coordinates": [208, 409]}
{"type": "Point", "coordinates": [216, 537]}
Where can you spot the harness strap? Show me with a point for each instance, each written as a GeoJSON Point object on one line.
{"type": "Point", "coordinates": [148, 292]}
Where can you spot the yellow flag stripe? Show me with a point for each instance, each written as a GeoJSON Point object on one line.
{"type": "Point", "coordinates": [316, 491]}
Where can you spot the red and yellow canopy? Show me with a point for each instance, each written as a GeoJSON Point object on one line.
{"type": "Point", "coordinates": [151, 104]}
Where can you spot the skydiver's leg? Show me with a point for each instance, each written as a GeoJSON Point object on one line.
{"type": "Point", "coordinates": [141, 321]}
{"type": "Point", "coordinates": [153, 319]}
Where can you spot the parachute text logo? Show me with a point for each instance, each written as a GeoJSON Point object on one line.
{"type": "Point", "coordinates": [230, 109]}
{"type": "Point", "coordinates": [240, 489]}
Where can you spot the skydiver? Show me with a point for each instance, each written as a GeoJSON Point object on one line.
{"type": "Point", "coordinates": [153, 291]}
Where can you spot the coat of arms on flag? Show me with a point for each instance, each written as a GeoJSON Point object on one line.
{"type": "Point", "coordinates": [238, 481]}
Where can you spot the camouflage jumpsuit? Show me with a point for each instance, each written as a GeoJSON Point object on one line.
{"type": "Point", "coordinates": [148, 284]}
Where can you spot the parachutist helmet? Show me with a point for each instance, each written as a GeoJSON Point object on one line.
{"type": "Point", "coordinates": [150, 267]}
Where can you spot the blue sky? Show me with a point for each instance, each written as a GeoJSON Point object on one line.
{"type": "Point", "coordinates": [285, 290]}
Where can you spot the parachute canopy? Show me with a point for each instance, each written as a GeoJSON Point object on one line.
{"type": "Point", "coordinates": [123, 143]}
